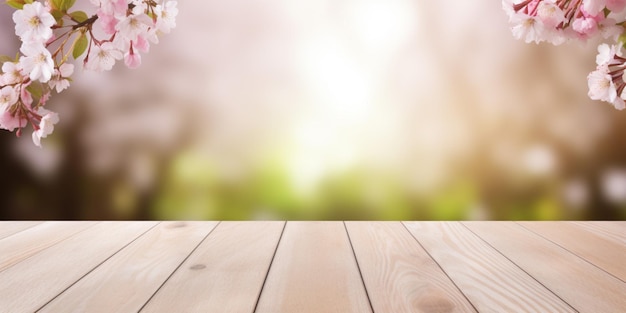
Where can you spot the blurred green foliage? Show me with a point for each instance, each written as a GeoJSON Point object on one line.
{"type": "Point", "coordinates": [194, 189]}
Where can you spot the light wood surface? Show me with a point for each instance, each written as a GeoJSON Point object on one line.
{"type": "Point", "coordinates": [605, 254]}
{"type": "Point", "coordinates": [399, 275]}
{"type": "Point", "coordinates": [9, 228]}
{"type": "Point", "coordinates": [581, 284]}
{"type": "Point", "coordinates": [225, 273]}
{"type": "Point", "coordinates": [322, 267]}
{"type": "Point", "coordinates": [615, 231]}
{"type": "Point", "coordinates": [28, 242]}
{"type": "Point", "coordinates": [314, 271]}
{"type": "Point", "coordinates": [30, 284]}
{"type": "Point", "coordinates": [126, 281]}
{"type": "Point", "coordinates": [488, 278]}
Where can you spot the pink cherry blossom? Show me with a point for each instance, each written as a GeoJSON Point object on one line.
{"type": "Point", "coordinates": [112, 7]}
{"type": "Point", "coordinates": [615, 5]}
{"type": "Point", "coordinates": [610, 29]}
{"type": "Point", "coordinates": [561, 20]}
{"type": "Point", "coordinates": [12, 73]}
{"type": "Point", "coordinates": [33, 23]}
{"type": "Point", "coordinates": [557, 21]}
{"type": "Point", "coordinates": [528, 28]}
{"type": "Point", "coordinates": [103, 57]}
{"type": "Point", "coordinates": [601, 86]}
{"type": "Point", "coordinates": [25, 96]}
{"type": "Point", "coordinates": [152, 35]}
{"type": "Point", "coordinates": [594, 7]}
{"type": "Point", "coordinates": [132, 59]}
{"type": "Point", "coordinates": [59, 79]}
{"type": "Point", "coordinates": [129, 26]}
{"type": "Point", "coordinates": [133, 25]}
{"type": "Point", "coordinates": [44, 99]}
{"type": "Point", "coordinates": [507, 6]}
{"type": "Point", "coordinates": [619, 103]}
{"type": "Point", "coordinates": [142, 44]}
{"type": "Point", "coordinates": [166, 16]}
{"type": "Point", "coordinates": [37, 62]}
{"type": "Point", "coordinates": [607, 83]}
{"type": "Point", "coordinates": [606, 54]}
{"type": "Point", "coordinates": [107, 21]}
{"type": "Point", "coordinates": [10, 121]}
{"type": "Point", "coordinates": [8, 97]}
{"type": "Point", "coordinates": [139, 7]}
{"type": "Point", "coordinates": [585, 27]}
{"type": "Point", "coordinates": [46, 126]}
{"type": "Point", "coordinates": [550, 14]}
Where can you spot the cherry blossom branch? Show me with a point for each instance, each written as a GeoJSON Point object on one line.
{"type": "Point", "coordinates": [558, 21]}
{"type": "Point", "coordinates": [26, 83]}
{"type": "Point", "coordinates": [88, 22]}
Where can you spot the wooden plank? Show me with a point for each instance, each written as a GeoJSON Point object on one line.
{"type": "Point", "coordinates": [490, 281]}
{"type": "Point", "coordinates": [224, 274]}
{"type": "Point", "coordinates": [9, 228]}
{"type": "Point", "coordinates": [615, 231]}
{"type": "Point", "coordinates": [314, 270]}
{"type": "Point", "coordinates": [398, 274]}
{"type": "Point", "coordinates": [28, 285]}
{"type": "Point", "coordinates": [127, 280]}
{"type": "Point", "coordinates": [605, 254]}
{"type": "Point", "coordinates": [582, 285]}
{"type": "Point", "coordinates": [31, 241]}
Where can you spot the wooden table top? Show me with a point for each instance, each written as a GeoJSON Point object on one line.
{"type": "Point", "coordinates": [316, 267]}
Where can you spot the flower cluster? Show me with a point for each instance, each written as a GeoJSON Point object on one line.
{"type": "Point", "coordinates": [607, 82]}
{"type": "Point", "coordinates": [51, 32]}
{"type": "Point", "coordinates": [557, 21]}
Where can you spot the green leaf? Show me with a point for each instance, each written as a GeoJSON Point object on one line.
{"type": "Point", "coordinates": [56, 4]}
{"type": "Point", "coordinates": [4, 58]}
{"type": "Point", "coordinates": [35, 89]}
{"type": "Point", "coordinates": [67, 4]}
{"type": "Point", "coordinates": [79, 16]}
{"type": "Point", "coordinates": [622, 39]}
{"type": "Point", "coordinates": [58, 16]}
{"type": "Point", "coordinates": [80, 45]}
{"type": "Point", "coordinates": [16, 4]}
{"type": "Point", "coordinates": [61, 5]}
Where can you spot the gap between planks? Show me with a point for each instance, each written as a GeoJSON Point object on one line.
{"type": "Point", "coordinates": [356, 260]}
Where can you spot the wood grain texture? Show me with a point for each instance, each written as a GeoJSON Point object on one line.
{"type": "Point", "coordinates": [248, 267]}
{"type": "Point", "coordinates": [615, 231]}
{"type": "Point", "coordinates": [582, 285]}
{"type": "Point", "coordinates": [398, 274]}
{"type": "Point", "coordinates": [127, 280]}
{"type": "Point", "coordinates": [31, 241]}
{"type": "Point", "coordinates": [28, 285]}
{"type": "Point", "coordinates": [490, 281]}
{"type": "Point", "coordinates": [605, 254]}
{"type": "Point", "coordinates": [224, 274]}
{"type": "Point", "coordinates": [314, 270]}
{"type": "Point", "coordinates": [9, 228]}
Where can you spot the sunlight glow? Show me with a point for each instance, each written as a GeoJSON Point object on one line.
{"type": "Point", "coordinates": [327, 137]}
{"type": "Point", "coordinates": [346, 87]}
{"type": "Point", "coordinates": [381, 25]}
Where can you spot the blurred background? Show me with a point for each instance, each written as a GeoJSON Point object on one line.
{"type": "Point", "coordinates": [320, 109]}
